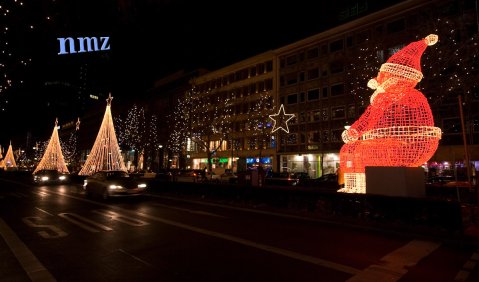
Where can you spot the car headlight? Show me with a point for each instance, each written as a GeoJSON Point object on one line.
{"type": "Point", "coordinates": [45, 178]}
{"type": "Point", "coordinates": [113, 186]}
{"type": "Point", "coordinates": [141, 185]}
{"type": "Point", "coordinates": [62, 177]}
{"type": "Point", "coordinates": [85, 182]}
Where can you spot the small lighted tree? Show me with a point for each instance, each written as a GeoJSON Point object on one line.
{"type": "Point", "coordinates": [69, 146]}
{"type": "Point", "coordinates": [53, 157]}
{"type": "Point", "coordinates": [151, 142]}
{"type": "Point", "coordinates": [138, 131]}
{"type": "Point", "coordinates": [259, 123]}
{"type": "Point", "coordinates": [105, 154]}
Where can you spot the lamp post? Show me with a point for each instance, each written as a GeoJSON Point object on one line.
{"type": "Point", "coordinates": [466, 152]}
{"type": "Point", "coordinates": [161, 157]}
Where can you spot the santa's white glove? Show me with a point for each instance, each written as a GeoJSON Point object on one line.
{"type": "Point", "coordinates": [350, 135]}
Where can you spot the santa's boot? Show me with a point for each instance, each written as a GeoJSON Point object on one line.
{"type": "Point", "coordinates": [354, 183]}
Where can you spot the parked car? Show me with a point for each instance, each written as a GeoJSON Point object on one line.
{"type": "Point", "coordinates": [212, 177]}
{"type": "Point", "coordinates": [164, 175]}
{"type": "Point", "coordinates": [229, 177]}
{"type": "Point", "coordinates": [113, 183]}
{"type": "Point", "coordinates": [303, 178]}
{"type": "Point", "coordinates": [327, 181]}
{"type": "Point", "coordinates": [439, 179]}
{"type": "Point", "coordinates": [50, 176]}
{"type": "Point", "coordinates": [281, 179]}
{"type": "Point", "coordinates": [189, 176]}
{"type": "Point", "coordinates": [447, 181]}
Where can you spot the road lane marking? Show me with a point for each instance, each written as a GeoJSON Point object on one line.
{"type": "Point", "coordinates": [264, 212]}
{"type": "Point", "coordinates": [32, 266]}
{"type": "Point", "coordinates": [77, 219]}
{"type": "Point", "coordinates": [30, 221]}
{"type": "Point", "coordinates": [136, 258]}
{"type": "Point", "coordinates": [267, 248]}
{"type": "Point", "coordinates": [190, 211]}
{"type": "Point", "coordinates": [44, 211]}
{"type": "Point", "coordinates": [42, 194]}
{"type": "Point", "coordinates": [121, 218]}
{"type": "Point", "coordinates": [395, 264]}
{"type": "Point", "coordinates": [468, 266]}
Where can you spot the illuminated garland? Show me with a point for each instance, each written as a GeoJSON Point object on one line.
{"type": "Point", "coordinates": [397, 128]}
{"type": "Point", "coordinates": [105, 154]}
{"type": "Point", "coordinates": [53, 157]}
{"type": "Point", "coordinates": [2, 163]}
{"type": "Point", "coordinates": [9, 159]}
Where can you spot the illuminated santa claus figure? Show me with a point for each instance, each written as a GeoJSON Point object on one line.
{"type": "Point", "coordinates": [397, 128]}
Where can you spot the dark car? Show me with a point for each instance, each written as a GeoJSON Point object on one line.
{"type": "Point", "coordinates": [50, 176]}
{"type": "Point", "coordinates": [303, 178]}
{"type": "Point", "coordinates": [327, 181]}
{"type": "Point", "coordinates": [229, 177]}
{"type": "Point", "coordinates": [113, 183]}
{"type": "Point", "coordinates": [281, 179]}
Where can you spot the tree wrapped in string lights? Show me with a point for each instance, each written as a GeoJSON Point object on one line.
{"type": "Point", "coordinates": [105, 154]}
{"type": "Point", "coordinates": [397, 128]}
{"type": "Point", "coordinates": [53, 157]}
{"type": "Point", "coordinates": [202, 119]}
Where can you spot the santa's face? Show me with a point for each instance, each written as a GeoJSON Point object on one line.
{"type": "Point", "coordinates": [389, 82]}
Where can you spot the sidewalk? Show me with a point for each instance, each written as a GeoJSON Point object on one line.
{"type": "Point", "coordinates": [470, 217]}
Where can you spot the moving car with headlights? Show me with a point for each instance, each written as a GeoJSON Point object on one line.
{"type": "Point", "coordinates": [50, 176]}
{"type": "Point", "coordinates": [113, 183]}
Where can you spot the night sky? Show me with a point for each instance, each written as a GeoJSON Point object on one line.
{"type": "Point", "coordinates": [149, 39]}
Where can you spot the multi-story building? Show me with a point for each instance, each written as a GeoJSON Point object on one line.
{"type": "Point", "coordinates": [322, 81]}
{"type": "Point", "coordinates": [244, 94]}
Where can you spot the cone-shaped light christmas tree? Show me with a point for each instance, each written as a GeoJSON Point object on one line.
{"type": "Point", "coordinates": [9, 159]}
{"type": "Point", "coordinates": [105, 154]}
{"type": "Point", "coordinates": [2, 163]}
{"type": "Point", "coordinates": [53, 157]}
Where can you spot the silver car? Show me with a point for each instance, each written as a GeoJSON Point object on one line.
{"type": "Point", "coordinates": [113, 183]}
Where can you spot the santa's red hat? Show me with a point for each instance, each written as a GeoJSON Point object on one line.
{"type": "Point", "coordinates": [407, 61]}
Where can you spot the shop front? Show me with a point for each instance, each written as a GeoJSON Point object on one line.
{"type": "Point", "coordinates": [314, 165]}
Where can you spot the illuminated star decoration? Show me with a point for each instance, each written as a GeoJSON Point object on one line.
{"type": "Point", "coordinates": [281, 118]}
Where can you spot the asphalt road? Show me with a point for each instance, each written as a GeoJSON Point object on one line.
{"type": "Point", "coordinates": [55, 233]}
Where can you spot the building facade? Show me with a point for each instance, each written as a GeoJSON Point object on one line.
{"type": "Point", "coordinates": [241, 95]}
